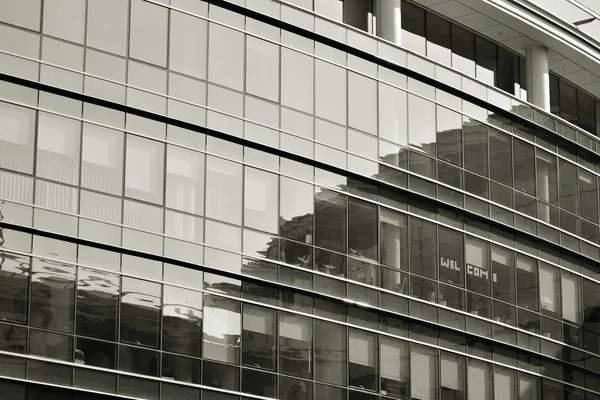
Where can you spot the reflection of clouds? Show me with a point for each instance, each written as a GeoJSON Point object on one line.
{"type": "Point", "coordinates": [182, 303]}
{"type": "Point", "coordinates": [52, 271]}
{"type": "Point", "coordinates": [141, 293]}
{"type": "Point", "coordinates": [220, 323]}
{"type": "Point", "coordinates": [99, 282]}
{"type": "Point", "coordinates": [14, 264]}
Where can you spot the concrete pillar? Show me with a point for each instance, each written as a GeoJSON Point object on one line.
{"type": "Point", "coordinates": [389, 23]}
{"type": "Point", "coordinates": [538, 78]}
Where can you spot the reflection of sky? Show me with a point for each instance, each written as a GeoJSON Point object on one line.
{"type": "Point", "coordinates": [96, 281]}
{"type": "Point", "coordinates": [182, 303]}
{"type": "Point", "coordinates": [220, 323]}
{"type": "Point", "coordinates": [51, 270]}
{"type": "Point", "coordinates": [13, 264]}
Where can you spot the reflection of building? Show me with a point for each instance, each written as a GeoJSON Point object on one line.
{"type": "Point", "coordinates": [299, 200]}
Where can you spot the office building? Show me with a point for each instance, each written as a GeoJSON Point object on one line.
{"type": "Point", "coordinates": [299, 200]}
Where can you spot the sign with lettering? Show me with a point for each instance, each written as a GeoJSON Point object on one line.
{"type": "Point", "coordinates": [472, 270]}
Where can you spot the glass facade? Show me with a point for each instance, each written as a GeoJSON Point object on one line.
{"type": "Point", "coordinates": [199, 202]}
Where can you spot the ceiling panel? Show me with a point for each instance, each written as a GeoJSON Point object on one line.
{"type": "Point", "coordinates": [582, 77]}
{"type": "Point", "coordinates": [476, 21]}
{"type": "Point", "coordinates": [500, 33]}
{"type": "Point", "coordinates": [452, 9]}
{"type": "Point", "coordinates": [429, 3]}
{"type": "Point", "coordinates": [564, 66]}
{"type": "Point", "coordinates": [593, 88]}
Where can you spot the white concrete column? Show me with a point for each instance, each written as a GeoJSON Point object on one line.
{"type": "Point", "coordinates": [389, 23]}
{"type": "Point", "coordinates": [538, 78]}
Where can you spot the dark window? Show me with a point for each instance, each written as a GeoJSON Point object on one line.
{"type": "Point", "coordinates": [500, 157]}
{"type": "Point", "coordinates": [508, 70]}
{"type": "Point", "coordinates": [413, 19]}
{"type": "Point", "coordinates": [362, 229]}
{"type": "Point", "coordinates": [14, 281]}
{"type": "Point", "coordinates": [362, 357]}
{"type": "Point", "coordinates": [567, 95]}
{"type": "Point", "coordinates": [475, 146]}
{"type": "Point", "coordinates": [586, 111]}
{"type": "Point", "coordinates": [451, 263]}
{"type": "Point", "coordinates": [527, 283]}
{"type": "Point", "coordinates": [330, 353]}
{"type": "Point", "coordinates": [524, 167]}
{"type": "Point", "coordinates": [486, 59]}
{"type": "Point", "coordinates": [295, 345]}
{"type": "Point", "coordinates": [258, 337]}
{"type": "Point", "coordinates": [140, 312]}
{"type": "Point", "coordinates": [330, 220]}
{"type": "Point", "coordinates": [567, 188]}
{"type": "Point", "coordinates": [423, 254]}
{"type": "Point", "coordinates": [97, 304]}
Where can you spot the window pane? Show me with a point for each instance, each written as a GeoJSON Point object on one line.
{"type": "Point", "coordinates": [452, 376]}
{"type": "Point", "coordinates": [148, 32]}
{"type": "Point", "coordinates": [485, 57]}
{"type": "Point", "coordinates": [295, 345]}
{"type": "Point", "coordinates": [144, 169]}
{"type": "Point", "coordinates": [188, 44]}
{"type": "Point", "coordinates": [52, 296]}
{"type": "Point", "coordinates": [107, 25]}
{"type": "Point", "coordinates": [330, 220]}
{"type": "Point", "coordinates": [479, 384]}
{"type": "Point", "coordinates": [394, 367]}
{"type": "Point", "coordinates": [330, 352]}
{"type": "Point", "coordinates": [393, 231]}
{"type": "Point", "coordinates": [297, 80]}
{"type": "Point", "coordinates": [423, 373]}
{"type": "Point", "coordinates": [362, 357]}
{"type": "Point", "coordinates": [140, 312]}
{"type": "Point", "coordinates": [503, 274]}
{"type": "Point", "coordinates": [524, 167]}
{"type": "Point", "coordinates": [17, 139]}
{"type": "Point", "coordinates": [362, 103]}
{"type": "Point", "coordinates": [451, 256]}
{"type": "Point", "coordinates": [413, 27]}
{"type": "Point", "coordinates": [296, 210]}
{"type": "Point", "coordinates": [14, 280]}
{"type": "Point", "coordinates": [102, 159]}
{"type": "Point", "coordinates": [58, 148]}
{"type": "Point", "coordinates": [25, 13]}
{"type": "Point", "coordinates": [476, 258]}
{"type": "Point", "coordinates": [567, 189]}
{"type": "Point", "coordinates": [185, 180]}
{"type": "Point", "coordinates": [423, 254]}
{"type": "Point", "coordinates": [258, 337]}
{"type": "Point", "coordinates": [226, 57]}
{"type": "Point", "coordinates": [362, 229]}
{"type": "Point", "coordinates": [500, 157]}
{"type": "Point", "coordinates": [438, 38]}
{"type": "Point", "coordinates": [449, 132]}
{"type": "Point", "coordinates": [463, 50]}
{"type": "Point", "coordinates": [421, 127]}
{"type": "Point", "coordinates": [571, 306]}
{"type": "Point", "coordinates": [547, 185]}
{"type": "Point", "coordinates": [262, 68]}
{"type": "Point", "coordinates": [330, 96]}
{"type": "Point", "coordinates": [588, 195]}
{"type": "Point", "coordinates": [65, 19]}
{"type": "Point", "coordinates": [182, 321]}
{"type": "Point", "coordinates": [528, 387]}
{"type": "Point", "coordinates": [475, 146]}
{"type": "Point", "coordinates": [549, 290]}
{"type": "Point", "coordinates": [224, 190]}
{"type": "Point", "coordinates": [393, 114]}
{"type": "Point", "coordinates": [527, 283]}
{"type": "Point", "coordinates": [260, 200]}
{"type": "Point", "coordinates": [97, 304]}
{"type": "Point", "coordinates": [222, 329]}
